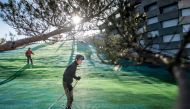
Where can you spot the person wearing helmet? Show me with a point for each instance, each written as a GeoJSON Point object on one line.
{"type": "Point", "coordinates": [68, 76]}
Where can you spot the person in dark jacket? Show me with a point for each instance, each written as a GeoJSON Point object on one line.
{"type": "Point", "coordinates": [68, 76]}
{"type": "Point", "coordinates": [28, 54]}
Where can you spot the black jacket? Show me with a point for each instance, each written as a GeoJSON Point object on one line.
{"type": "Point", "coordinates": [70, 73]}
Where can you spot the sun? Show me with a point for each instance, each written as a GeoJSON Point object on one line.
{"type": "Point", "coordinates": [76, 19]}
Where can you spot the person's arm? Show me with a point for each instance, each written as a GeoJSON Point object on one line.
{"type": "Point", "coordinates": [76, 77]}
{"type": "Point", "coordinates": [32, 52]}
{"type": "Point", "coordinates": [73, 70]}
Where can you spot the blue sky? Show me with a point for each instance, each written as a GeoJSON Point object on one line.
{"type": "Point", "coordinates": [5, 29]}
{"type": "Point", "coordinates": [3, 0]}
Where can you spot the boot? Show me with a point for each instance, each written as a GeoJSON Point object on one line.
{"type": "Point", "coordinates": [68, 108]}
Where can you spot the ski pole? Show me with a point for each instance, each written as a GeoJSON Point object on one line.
{"type": "Point", "coordinates": [61, 97]}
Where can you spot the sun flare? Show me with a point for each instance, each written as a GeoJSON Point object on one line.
{"type": "Point", "coordinates": [76, 19]}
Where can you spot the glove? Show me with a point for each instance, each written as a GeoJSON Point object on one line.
{"type": "Point", "coordinates": [78, 78]}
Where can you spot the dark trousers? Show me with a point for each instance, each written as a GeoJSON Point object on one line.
{"type": "Point", "coordinates": [29, 59]}
{"type": "Point", "coordinates": [69, 93]}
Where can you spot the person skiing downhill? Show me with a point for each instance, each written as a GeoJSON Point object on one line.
{"type": "Point", "coordinates": [28, 54]}
{"type": "Point", "coordinates": [68, 76]}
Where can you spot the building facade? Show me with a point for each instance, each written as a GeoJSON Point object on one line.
{"type": "Point", "coordinates": [167, 22]}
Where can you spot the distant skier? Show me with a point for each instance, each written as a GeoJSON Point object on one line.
{"type": "Point", "coordinates": [68, 76]}
{"type": "Point", "coordinates": [28, 54]}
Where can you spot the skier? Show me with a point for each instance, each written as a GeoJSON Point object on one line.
{"type": "Point", "coordinates": [28, 54]}
{"type": "Point", "coordinates": [68, 76]}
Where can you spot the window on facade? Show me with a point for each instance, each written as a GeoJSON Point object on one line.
{"type": "Point", "coordinates": [186, 28]}
{"type": "Point", "coordinates": [137, 7]}
{"type": "Point", "coordinates": [171, 38]}
{"type": "Point", "coordinates": [186, 12]}
{"type": "Point", "coordinates": [142, 42]}
{"type": "Point", "coordinates": [174, 51]}
{"type": "Point", "coordinates": [169, 8]}
{"type": "Point", "coordinates": [170, 23]}
{"type": "Point", "coordinates": [171, 52]}
{"type": "Point", "coordinates": [151, 7]}
{"type": "Point", "coordinates": [156, 46]}
{"type": "Point", "coordinates": [152, 20]}
{"type": "Point", "coordinates": [188, 45]}
{"type": "Point", "coordinates": [153, 33]}
{"type": "Point", "coordinates": [140, 30]}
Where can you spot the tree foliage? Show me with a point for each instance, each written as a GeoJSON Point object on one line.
{"type": "Point", "coordinates": [121, 32]}
{"type": "Point", "coordinates": [37, 17]}
{"type": "Point", "coordinates": [128, 44]}
{"type": "Point", "coordinates": [41, 19]}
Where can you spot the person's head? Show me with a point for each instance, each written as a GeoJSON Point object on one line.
{"type": "Point", "coordinates": [79, 58]}
{"type": "Point", "coordinates": [29, 48]}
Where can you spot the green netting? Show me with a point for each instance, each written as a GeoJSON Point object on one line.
{"type": "Point", "coordinates": [38, 86]}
